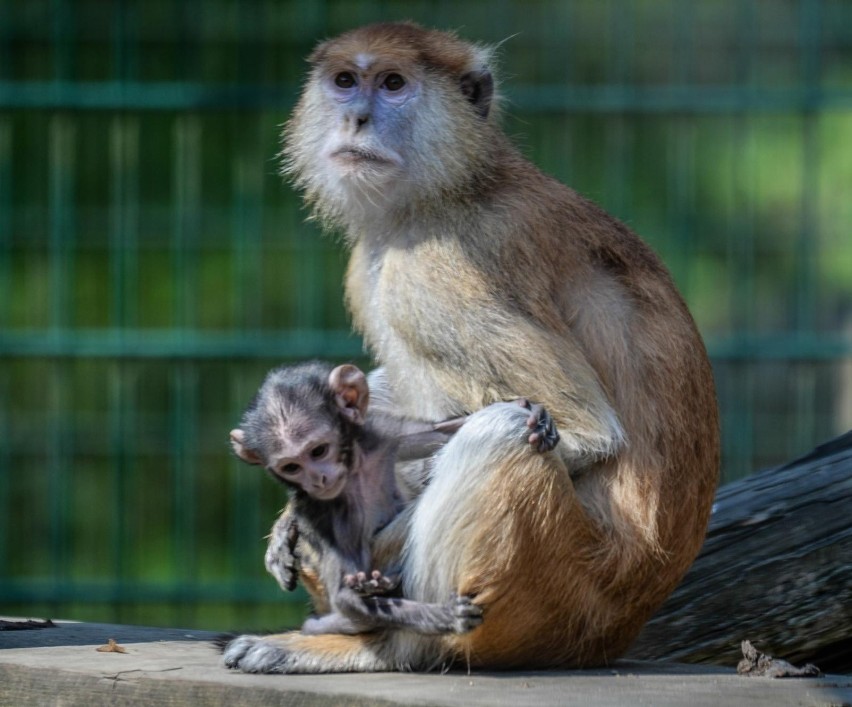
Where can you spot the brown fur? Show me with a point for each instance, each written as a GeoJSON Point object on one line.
{"type": "Point", "coordinates": [510, 284]}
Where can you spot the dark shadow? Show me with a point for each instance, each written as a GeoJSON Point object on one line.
{"type": "Point", "coordinates": [66, 633]}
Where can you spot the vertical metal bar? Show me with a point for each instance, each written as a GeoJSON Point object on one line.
{"type": "Point", "coordinates": [124, 225]}
{"type": "Point", "coordinates": [740, 444]}
{"type": "Point", "coordinates": [308, 275]}
{"type": "Point", "coordinates": [6, 220]}
{"type": "Point", "coordinates": [5, 290]}
{"type": "Point", "coordinates": [618, 146]}
{"type": "Point", "coordinates": [5, 53]}
{"type": "Point", "coordinates": [810, 26]}
{"type": "Point", "coordinates": [681, 172]}
{"type": "Point", "coordinates": [61, 159]}
{"type": "Point", "coordinates": [63, 54]}
{"type": "Point", "coordinates": [184, 382]}
{"type": "Point", "coordinates": [118, 452]}
{"type": "Point", "coordinates": [246, 243]}
{"type": "Point", "coordinates": [123, 242]}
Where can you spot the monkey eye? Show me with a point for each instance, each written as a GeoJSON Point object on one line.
{"type": "Point", "coordinates": [393, 82]}
{"type": "Point", "coordinates": [290, 468]}
{"type": "Point", "coordinates": [319, 451]}
{"type": "Point", "coordinates": [344, 80]}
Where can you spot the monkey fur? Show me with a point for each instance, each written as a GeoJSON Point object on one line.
{"type": "Point", "coordinates": [308, 426]}
{"type": "Point", "coordinates": [474, 278]}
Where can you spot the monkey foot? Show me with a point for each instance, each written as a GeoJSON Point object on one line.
{"type": "Point", "coordinates": [544, 435]}
{"type": "Point", "coordinates": [467, 615]}
{"type": "Point", "coordinates": [376, 584]}
{"type": "Point", "coordinates": [256, 654]}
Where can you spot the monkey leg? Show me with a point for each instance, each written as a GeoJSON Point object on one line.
{"type": "Point", "coordinates": [331, 623]}
{"type": "Point", "coordinates": [458, 616]}
{"type": "Point", "coordinates": [295, 652]}
{"type": "Point", "coordinates": [501, 521]}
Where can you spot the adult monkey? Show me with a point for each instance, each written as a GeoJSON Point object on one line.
{"type": "Point", "coordinates": [475, 278]}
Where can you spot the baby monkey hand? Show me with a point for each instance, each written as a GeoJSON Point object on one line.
{"type": "Point", "coordinates": [376, 584]}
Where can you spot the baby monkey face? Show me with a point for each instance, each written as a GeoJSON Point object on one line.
{"type": "Point", "coordinates": [312, 462]}
{"type": "Point", "coordinates": [301, 423]}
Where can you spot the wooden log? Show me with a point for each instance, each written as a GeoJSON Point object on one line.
{"type": "Point", "coordinates": [775, 569]}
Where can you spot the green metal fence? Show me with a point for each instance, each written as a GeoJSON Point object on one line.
{"type": "Point", "coordinates": [153, 265]}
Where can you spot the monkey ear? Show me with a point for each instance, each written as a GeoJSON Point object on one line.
{"type": "Point", "coordinates": [243, 452]}
{"type": "Point", "coordinates": [478, 88]}
{"type": "Point", "coordinates": [351, 392]}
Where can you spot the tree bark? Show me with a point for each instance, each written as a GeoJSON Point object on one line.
{"type": "Point", "coordinates": [775, 569]}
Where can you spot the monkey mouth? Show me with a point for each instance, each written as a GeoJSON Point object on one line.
{"type": "Point", "coordinates": [359, 155]}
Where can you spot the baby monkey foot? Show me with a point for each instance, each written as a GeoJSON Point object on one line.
{"type": "Point", "coordinates": [543, 436]}
{"type": "Point", "coordinates": [374, 585]}
{"type": "Point", "coordinates": [467, 615]}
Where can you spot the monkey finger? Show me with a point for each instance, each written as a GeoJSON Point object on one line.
{"type": "Point", "coordinates": [467, 614]}
{"type": "Point", "coordinates": [469, 611]}
{"type": "Point", "coordinates": [545, 436]}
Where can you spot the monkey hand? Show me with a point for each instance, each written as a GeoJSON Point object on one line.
{"type": "Point", "coordinates": [467, 615]}
{"type": "Point", "coordinates": [543, 436]}
{"type": "Point", "coordinates": [282, 560]}
{"type": "Point", "coordinates": [375, 585]}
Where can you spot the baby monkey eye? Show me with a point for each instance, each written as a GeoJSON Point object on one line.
{"type": "Point", "coordinates": [393, 82]}
{"type": "Point", "coordinates": [344, 80]}
{"type": "Point", "coordinates": [290, 468]}
{"type": "Point", "coordinates": [319, 451]}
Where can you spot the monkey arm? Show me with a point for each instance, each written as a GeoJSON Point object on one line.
{"type": "Point", "coordinates": [414, 438]}
{"type": "Point", "coordinates": [427, 440]}
{"type": "Point", "coordinates": [281, 558]}
{"type": "Point", "coordinates": [557, 375]}
{"type": "Point", "coordinates": [459, 615]}
{"type": "Point", "coordinates": [332, 623]}
{"type": "Point", "coordinates": [484, 350]}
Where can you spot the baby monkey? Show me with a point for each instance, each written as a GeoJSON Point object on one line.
{"type": "Point", "coordinates": [308, 426]}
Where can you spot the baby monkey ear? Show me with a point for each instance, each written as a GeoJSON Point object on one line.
{"type": "Point", "coordinates": [349, 385]}
{"type": "Point", "coordinates": [240, 449]}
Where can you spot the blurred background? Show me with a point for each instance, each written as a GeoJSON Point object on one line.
{"type": "Point", "coordinates": [153, 265]}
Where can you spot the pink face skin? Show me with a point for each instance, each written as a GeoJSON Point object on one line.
{"type": "Point", "coordinates": [313, 465]}
{"type": "Point", "coordinates": [305, 450]}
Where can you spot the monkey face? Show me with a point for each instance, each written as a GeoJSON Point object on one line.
{"type": "Point", "coordinates": [370, 106]}
{"type": "Point", "coordinates": [313, 466]}
{"type": "Point", "coordinates": [386, 118]}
